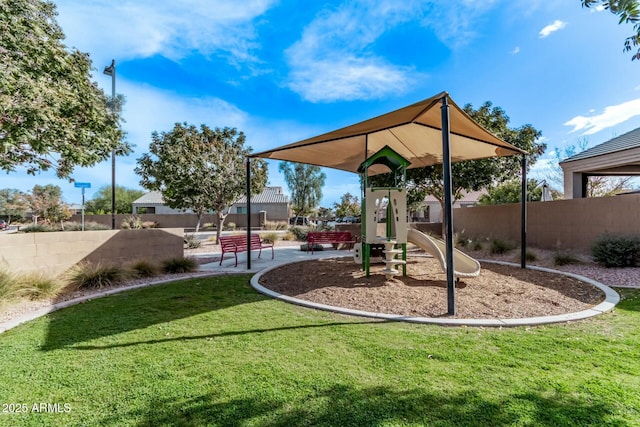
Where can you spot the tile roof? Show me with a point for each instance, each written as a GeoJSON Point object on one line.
{"type": "Point", "coordinates": [269, 195]}
{"type": "Point", "coordinates": [623, 142]}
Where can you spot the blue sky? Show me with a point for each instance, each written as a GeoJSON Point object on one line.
{"type": "Point", "coordinates": [282, 71]}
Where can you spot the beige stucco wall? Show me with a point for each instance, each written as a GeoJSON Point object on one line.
{"type": "Point", "coordinates": [54, 253]}
{"type": "Point", "coordinates": [561, 224]}
{"type": "Point", "coordinates": [177, 220]}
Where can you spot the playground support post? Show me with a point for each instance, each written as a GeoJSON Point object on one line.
{"type": "Point", "coordinates": [523, 225]}
{"type": "Point", "coordinates": [448, 212]}
{"type": "Point", "coordinates": [248, 164]}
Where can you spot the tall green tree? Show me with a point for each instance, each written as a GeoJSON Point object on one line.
{"type": "Point", "coordinates": [305, 183]}
{"type": "Point", "coordinates": [100, 203]}
{"type": "Point", "coordinates": [13, 204]}
{"type": "Point", "coordinates": [200, 169]}
{"type": "Point", "coordinates": [349, 206]}
{"type": "Point", "coordinates": [474, 175]}
{"type": "Point", "coordinates": [629, 13]}
{"type": "Point", "coordinates": [52, 115]}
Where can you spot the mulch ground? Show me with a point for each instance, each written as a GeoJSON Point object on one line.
{"type": "Point", "coordinates": [500, 292]}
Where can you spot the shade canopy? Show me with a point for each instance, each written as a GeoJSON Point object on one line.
{"type": "Point", "coordinates": [414, 132]}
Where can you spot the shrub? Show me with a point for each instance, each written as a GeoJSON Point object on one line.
{"type": "Point", "coordinates": [288, 236]}
{"type": "Point", "coordinates": [565, 258]}
{"type": "Point", "coordinates": [230, 226]}
{"type": "Point", "coordinates": [8, 285]}
{"type": "Point", "coordinates": [86, 275]}
{"type": "Point", "coordinates": [37, 286]}
{"type": "Point", "coordinates": [616, 250]}
{"type": "Point", "coordinates": [477, 245]}
{"type": "Point", "coordinates": [209, 225]}
{"type": "Point", "coordinates": [530, 255]}
{"type": "Point", "coordinates": [316, 247]}
{"type": "Point", "coordinates": [269, 237]}
{"type": "Point", "coordinates": [149, 224]}
{"type": "Point", "coordinates": [300, 233]}
{"type": "Point", "coordinates": [462, 241]}
{"type": "Point", "coordinates": [88, 225]}
{"type": "Point", "coordinates": [144, 268]}
{"type": "Point", "coordinates": [501, 247]}
{"type": "Point", "coordinates": [192, 242]}
{"type": "Point", "coordinates": [275, 225]}
{"type": "Point", "coordinates": [131, 222]}
{"type": "Point", "coordinates": [179, 265]}
{"type": "Point", "coordinates": [38, 228]}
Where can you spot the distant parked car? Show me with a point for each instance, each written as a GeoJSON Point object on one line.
{"type": "Point", "coordinates": [3, 225]}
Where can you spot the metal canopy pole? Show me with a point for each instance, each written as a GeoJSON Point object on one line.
{"type": "Point", "coordinates": [248, 164]}
{"type": "Point", "coordinates": [448, 212]}
{"type": "Point", "coordinates": [523, 223]}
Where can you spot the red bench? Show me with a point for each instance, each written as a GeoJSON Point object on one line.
{"type": "Point", "coordinates": [238, 243]}
{"type": "Point", "coordinates": [332, 237]}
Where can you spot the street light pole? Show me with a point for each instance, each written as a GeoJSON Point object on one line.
{"type": "Point", "coordinates": [111, 71]}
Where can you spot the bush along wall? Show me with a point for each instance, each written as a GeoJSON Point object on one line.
{"type": "Point", "coordinates": [616, 250]}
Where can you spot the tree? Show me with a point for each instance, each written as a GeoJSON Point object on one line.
{"type": "Point", "coordinates": [200, 169]}
{"type": "Point", "coordinates": [349, 206]}
{"type": "Point", "coordinates": [474, 175]}
{"type": "Point", "coordinates": [629, 13]}
{"type": "Point", "coordinates": [101, 201]}
{"type": "Point", "coordinates": [46, 202]}
{"type": "Point", "coordinates": [305, 183]}
{"type": "Point", "coordinates": [325, 212]}
{"type": "Point", "coordinates": [511, 192]}
{"type": "Point", "coordinates": [53, 115]}
{"type": "Point", "coordinates": [13, 204]}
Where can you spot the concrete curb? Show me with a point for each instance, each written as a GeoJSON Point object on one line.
{"type": "Point", "coordinates": [611, 299]}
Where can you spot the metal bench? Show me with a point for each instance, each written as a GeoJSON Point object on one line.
{"type": "Point", "coordinates": [238, 243]}
{"type": "Point", "coordinates": [329, 237]}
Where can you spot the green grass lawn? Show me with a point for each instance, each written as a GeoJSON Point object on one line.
{"type": "Point", "coordinates": [214, 352]}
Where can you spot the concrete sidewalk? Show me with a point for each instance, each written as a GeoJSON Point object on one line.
{"type": "Point", "coordinates": [282, 255]}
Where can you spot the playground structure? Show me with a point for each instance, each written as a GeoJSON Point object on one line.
{"type": "Point", "coordinates": [392, 201]}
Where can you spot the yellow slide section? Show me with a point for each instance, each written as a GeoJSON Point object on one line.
{"type": "Point", "coordinates": [463, 264]}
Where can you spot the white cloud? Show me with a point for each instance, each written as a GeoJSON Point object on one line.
{"type": "Point", "coordinates": [612, 115]}
{"type": "Point", "coordinates": [455, 22]}
{"type": "Point", "coordinates": [552, 28]}
{"type": "Point", "coordinates": [516, 50]}
{"type": "Point", "coordinates": [141, 28]}
{"type": "Point", "coordinates": [333, 59]}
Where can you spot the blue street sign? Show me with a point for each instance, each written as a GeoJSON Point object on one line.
{"type": "Point", "coordinates": [82, 184]}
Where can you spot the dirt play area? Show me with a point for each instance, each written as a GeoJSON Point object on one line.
{"type": "Point", "coordinates": [499, 292]}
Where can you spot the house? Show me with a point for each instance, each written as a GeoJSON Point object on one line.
{"type": "Point", "coordinates": [619, 156]}
{"type": "Point", "coordinates": [271, 200]}
{"type": "Point", "coordinates": [433, 210]}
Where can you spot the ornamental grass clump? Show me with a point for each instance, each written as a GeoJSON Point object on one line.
{"type": "Point", "coordinates": [616, 250]}
{"type": "Point", "coordinates": [31, 286]}
{"type": "Point", "coordinates": [192, 242]}
{"type": "Point", "coordinates": [179, 265]}
{"type": "Point", "coordinates": [501, 247]}
{"type": "Point", "coordinates": [565, 258]}
{"type": "Point", "coordinates": [269, 237]}
{"type": "Point", "coordinates": [144, 268]}
{"type": "Point", "coordinates": [86, 275]}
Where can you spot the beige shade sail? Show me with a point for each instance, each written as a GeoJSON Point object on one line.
{"type": "Point", "coordinates": [414, 132]}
